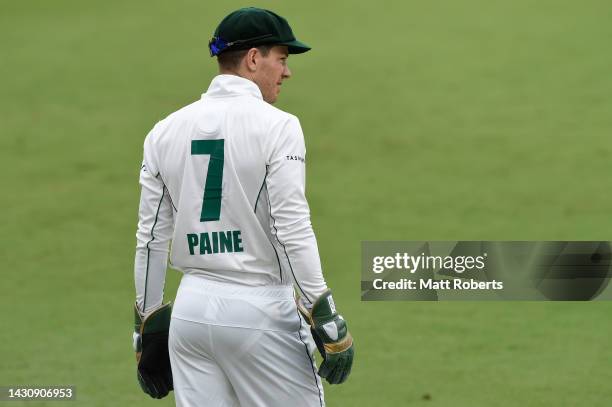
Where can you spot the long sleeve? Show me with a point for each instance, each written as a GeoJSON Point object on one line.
{"type": "Point", "coordinates": [290, 213]}
{"type": "Point", "coordinates": [155, 225]}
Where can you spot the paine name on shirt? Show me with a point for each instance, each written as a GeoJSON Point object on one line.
{"type": "Point", "coordinates": [215, 242]}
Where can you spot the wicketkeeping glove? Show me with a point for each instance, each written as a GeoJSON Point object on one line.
{"type": "Point", "coordinates": [151, 346]}
{"type": "Point", "coordinates": [332, 337]}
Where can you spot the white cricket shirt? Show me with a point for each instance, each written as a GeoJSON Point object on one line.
{"type": "Point", "coordinates": [224, 179]}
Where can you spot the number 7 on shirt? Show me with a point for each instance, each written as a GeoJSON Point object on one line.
{"type": "Point", "coordinates": [211, 203]}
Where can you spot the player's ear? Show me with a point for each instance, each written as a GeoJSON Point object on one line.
{"type": "Point", "coordinates": [252, 59]}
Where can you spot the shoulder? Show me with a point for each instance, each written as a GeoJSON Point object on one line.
{"type": "Point", "coordinates": [171, 122]}
{"type": "Point", "coordinates": [184, 114]}
{"type": "Point", "coordinates": [258, 110]}
{"type": "Point", "coordinates": [281, 128]}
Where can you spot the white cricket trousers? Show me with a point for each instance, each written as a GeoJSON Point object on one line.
{"type": "Point", "coordinates": [234, 345]}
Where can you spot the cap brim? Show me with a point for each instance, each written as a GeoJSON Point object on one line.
{"type": "Point", "coordinates": [296, 47]}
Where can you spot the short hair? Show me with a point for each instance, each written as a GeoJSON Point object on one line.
{"type": "Point", "coordinates": [231, 59]}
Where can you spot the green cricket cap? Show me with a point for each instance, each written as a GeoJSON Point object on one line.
{"type": "Point", "coordinates": [250, 27]}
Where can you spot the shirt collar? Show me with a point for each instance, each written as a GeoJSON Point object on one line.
{"type": "Point", "coordinates": [232, 85]}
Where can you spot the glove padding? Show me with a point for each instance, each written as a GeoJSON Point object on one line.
{"type": "Point", "coordinates": [332, 337]}
{"type": "Point", "coordinates": [151, 346]}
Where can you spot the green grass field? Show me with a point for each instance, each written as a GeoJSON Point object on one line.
{"type": "Point", "coordinates": [423, 120]}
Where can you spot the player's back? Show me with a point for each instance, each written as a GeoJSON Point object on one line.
{"type": "Point", "coordinates": [213, 157]}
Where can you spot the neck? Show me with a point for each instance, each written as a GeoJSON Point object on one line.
{"type": "Point", "coordinates": [237, 72]}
